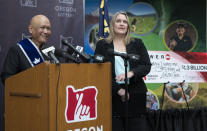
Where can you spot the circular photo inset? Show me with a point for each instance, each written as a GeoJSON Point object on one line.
{"type": "Point", "coordinates": [152, 102]}
{"type": "Point", "coordinates": [176, 94]}
{"type": "Point", "coordinates": [143, 18]}
{"type": "Point", "coordinates": [180, 36]}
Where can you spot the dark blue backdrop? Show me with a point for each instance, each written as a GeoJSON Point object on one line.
{"type": "Point", "coordinates": [66, 17]}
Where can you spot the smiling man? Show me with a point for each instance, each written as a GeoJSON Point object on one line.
{"type": "Point", "coordinates": [40, 29]}
{"type": "Point", "coordinates": [27, 53]}
{"type": "Point", "coordinates": [180, 41]}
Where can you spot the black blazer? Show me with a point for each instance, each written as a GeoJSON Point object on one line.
{"type": "Point", "coordinates": [140, 67]}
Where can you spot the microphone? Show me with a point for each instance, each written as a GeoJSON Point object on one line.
{"type": "Point", "coordinates": [83, 55]}
{"type": "Point", "coordinates": [64, 54]}
{"type": "Point", "coordinates": [98, 58]}
{"type": "Point", "coordinates": [50, 53]}
{"type": "Point", "coordinates": [123, 55]}
{"type": "Point", "coordinates": [80, 49]}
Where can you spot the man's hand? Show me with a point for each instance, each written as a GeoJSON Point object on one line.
{"type": "Point", "coordinates": [173, 43]}
{"type": "Point", "coordinates": [47, 62]}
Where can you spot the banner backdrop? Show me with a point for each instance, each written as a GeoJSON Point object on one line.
{"type": "Point", "coordinates": [66, 17]}
{"type": "Point", "coordinates": [158, 23]}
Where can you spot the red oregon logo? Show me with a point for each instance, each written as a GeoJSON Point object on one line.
{"type": "Point", "coordinates": [81, 104]}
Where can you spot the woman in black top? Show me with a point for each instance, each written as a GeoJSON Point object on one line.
{"type": "Point", "coordinates": [119, 40]}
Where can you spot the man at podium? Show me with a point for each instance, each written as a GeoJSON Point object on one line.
{"type": "Point", "coordinates": [26, 53]}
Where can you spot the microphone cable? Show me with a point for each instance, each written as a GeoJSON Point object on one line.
{"type": "Point", "coordinates": [57, 94]}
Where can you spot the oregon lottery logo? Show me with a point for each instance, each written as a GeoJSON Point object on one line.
{"type": "Point", "coordinates": [66, 1]}
{"type": "Point", "coordinates": [29, 3]}
{"type": "Point", "coordinates": [81, 104]}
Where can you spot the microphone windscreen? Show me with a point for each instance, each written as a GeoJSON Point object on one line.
{"type": "Point", "coordinates": [64, 42]}
{"type": "Point", "coordinates": [58, 52]}
{"type": "Point", "coordinates": [99, 58]}
{"type": "Point", "coordinates": [49, 49]}
{"type": "Point", "coordinates": [110, 51]}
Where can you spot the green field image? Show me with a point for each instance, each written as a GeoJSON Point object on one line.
{"type": "Point", "coordinates": [144, 24]}
{"type": "Point", "coordinates": [152, 41]}
{"type": "Point", "coordinates": [198, 101]}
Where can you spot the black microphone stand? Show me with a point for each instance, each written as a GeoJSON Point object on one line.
{"type": "Point", "coordinates": [160, 111]}
{"type": "Point", "coordinates": [126, 93]}
{"type": "Point", "coordinates": [186, 101]}
{"type": "Point", "coordinates": [125, 57]}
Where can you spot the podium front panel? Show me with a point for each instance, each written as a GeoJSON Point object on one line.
{"type": "Point", "coordinates": [26, 100]}
{"type": "Point", "coordinates": [84, 97]}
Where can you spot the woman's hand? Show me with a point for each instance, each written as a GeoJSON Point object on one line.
{"type": "Point", "coordinates": [122, 92]}
{"type": "Point", "coordinates": [121, 77]}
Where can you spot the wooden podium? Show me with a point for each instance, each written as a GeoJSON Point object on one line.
{"type": "Point", "coordinates": [39, 99]}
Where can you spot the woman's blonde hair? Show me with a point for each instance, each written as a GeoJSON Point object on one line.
{"type": "Point", "coordinates": [110, 38]}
